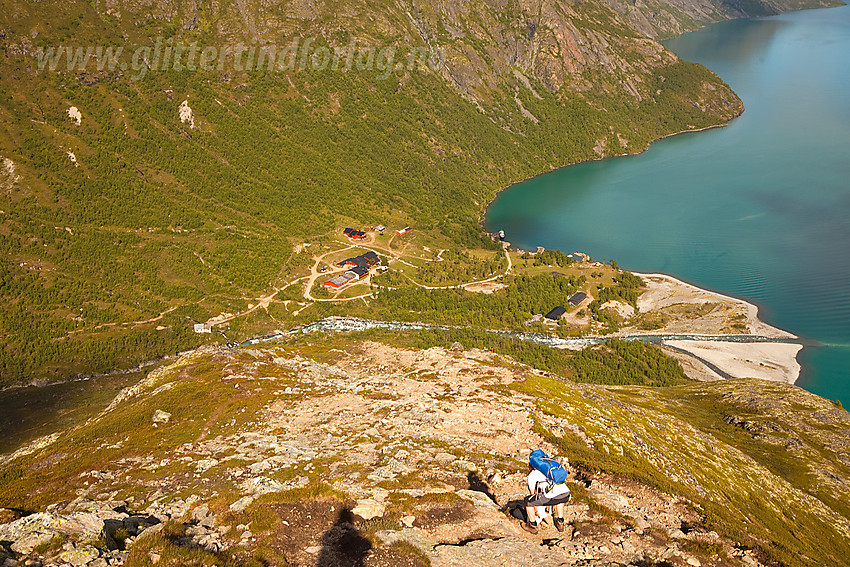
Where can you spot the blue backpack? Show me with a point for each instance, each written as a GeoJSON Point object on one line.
{"type": "Point", "coordinates": [554, 471]}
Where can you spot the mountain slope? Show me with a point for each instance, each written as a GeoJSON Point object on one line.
{"type": "Point", "coordinates": [297, 441]}
{"type": "Point", "coordinates": [124, 223]}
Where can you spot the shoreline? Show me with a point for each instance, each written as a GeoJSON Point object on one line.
{"type": "Point", "coordinates": [482, 216]}
{"type": "Point", "coordinates": [758, 327]}
{"type": "Point", "coordinates": [716, 360]}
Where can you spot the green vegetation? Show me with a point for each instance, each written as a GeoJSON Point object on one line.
{"type": "Point", "coordinates": [625, 289]}
{"type": "Point", "coordinates": [109, 261]}
{"type": "Point", "coordinates": [169, 551]}
{"type": "Point", "coordinates": [509, 308]}
{"type": "Point", "coordinates": [731, 449]}
{"type": "Point", "coordinates": [681, 441]}
{"type": "Point", "coordinates": [614, 362]}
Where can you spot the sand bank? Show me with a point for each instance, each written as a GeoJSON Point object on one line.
{"type": "Point", "coordinates": [687, 309]}
{"type": "Point", "coordinates": [682, 308]}
{"type": "Point", "coordinates": [768, 361]}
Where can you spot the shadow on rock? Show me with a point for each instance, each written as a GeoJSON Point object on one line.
{"type": "Point", "coordinates": [515, 509]}
{"type": "Point", "coordinates": [342, 544]}
{"type": "Point", "coordinates": [478, 485]}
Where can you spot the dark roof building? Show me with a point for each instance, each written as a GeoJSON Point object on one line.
{"type": "Point", "coordinates": [367, 259]}
{"type": "Point", "coordinates": [354, 234]}
{"type": "Point", "coordinates": [556, 313]}
{"type": "Point", "coordinates": [356, 261]}
{"type": "Point", "coordinates": [359, 270]}
{"type": "Point", "coordinates": [577, 298]}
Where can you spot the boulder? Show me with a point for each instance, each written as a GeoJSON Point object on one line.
{"type": "Point", "coordinates": [445, 459]}
{"type": "Point", "coordinates": [80, 556]}
{"type": "Point", "coordinates": [31, 531]}
{"type": "Point", "coordinates": [160, 416]}
{"type": "Point", "coordinates": [368, 509]}
{"type": "Point", "coordinates": [200, 512]}
{"type": "Point", "coordinates": [242, 504]}
{"type": "Point", "coordinates": [261, 485]}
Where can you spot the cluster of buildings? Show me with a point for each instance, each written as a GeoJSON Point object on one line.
{"type": "Point", "coordinates": [574, 301]}
{"type": "Point", "coordinates": [358, 266]}
{"type": "Point", "coordinates": [354, 234]}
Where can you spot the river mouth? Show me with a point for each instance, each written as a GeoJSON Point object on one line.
{"type": "Point", "coordinates": [755, 210]}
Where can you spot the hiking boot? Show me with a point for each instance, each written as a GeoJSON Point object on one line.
{"type": "Point", "coordinates": [544, 523]}
{"type": "Point", "coordinates": [559, 524]}
{"type": "Point", "coordinates": [530, 528]}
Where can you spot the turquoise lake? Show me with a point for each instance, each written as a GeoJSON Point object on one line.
{"type": "Point", "coordinates": [759, 209]}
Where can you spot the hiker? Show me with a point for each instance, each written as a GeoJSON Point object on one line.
{"type": "Point", "coordinates": [545, 492]}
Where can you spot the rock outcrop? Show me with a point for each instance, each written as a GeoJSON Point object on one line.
{"type": "Point", "coordinates": [386, 455]}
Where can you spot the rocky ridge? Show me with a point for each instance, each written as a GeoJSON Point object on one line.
{"type": "Point", "coordinates": [319, 456]}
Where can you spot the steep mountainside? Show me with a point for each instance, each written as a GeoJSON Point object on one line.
{"type": "Point", "coordinates": [146, 193]}
{"type": "Point", "coordinates": [329, 451]}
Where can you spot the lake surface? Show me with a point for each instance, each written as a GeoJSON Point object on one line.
{"type": "Point", "coordinates": [759, 209]}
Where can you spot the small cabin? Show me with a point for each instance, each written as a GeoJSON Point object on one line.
{"type": "Point", "coordinates": [577, 298]}
{"type": "Point", "coordinates": [555, 314]}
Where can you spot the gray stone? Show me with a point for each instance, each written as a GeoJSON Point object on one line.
{"type": "Point", "coordinates": [200, 512]}
{"type": "Point", "coordinates": [242, 504]}
{"type": "Point", "coordinates": [160, 416]}
{"type": "Point", "coordinates": [478, 498]}
{"type": "Point", "coordinates": [368, 509]}
{"type": "Point", "coordinates": [80, 556]}
{"type": "Point", "coordinates": [27, 543]}
{"type": "Point", "coordinates": [210, 521]}
{"type": "Point", "coordinates": [261, 485]}
{"type": "Point", "coordinates": [412, 536]}
{"type": "Point", "coordinates": [155, 529]}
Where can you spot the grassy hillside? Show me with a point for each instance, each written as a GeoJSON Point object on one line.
{"type": "Point", "coordinates": [744, 472]}
{"type": "Point", "coordinates": [120, 231]}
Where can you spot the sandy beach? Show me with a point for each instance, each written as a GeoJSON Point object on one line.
{"type": "Point", "coordinates": [682, 308]}
{"type": "Point", "coordinates": [688, 309]}
{"type": "Point", "coordinates": [768, 361]}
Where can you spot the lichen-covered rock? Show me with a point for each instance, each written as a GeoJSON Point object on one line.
{"type": "Point", "coordinates": [261, 485]}
{"type": "Point", "coordinates": [80, 556]}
